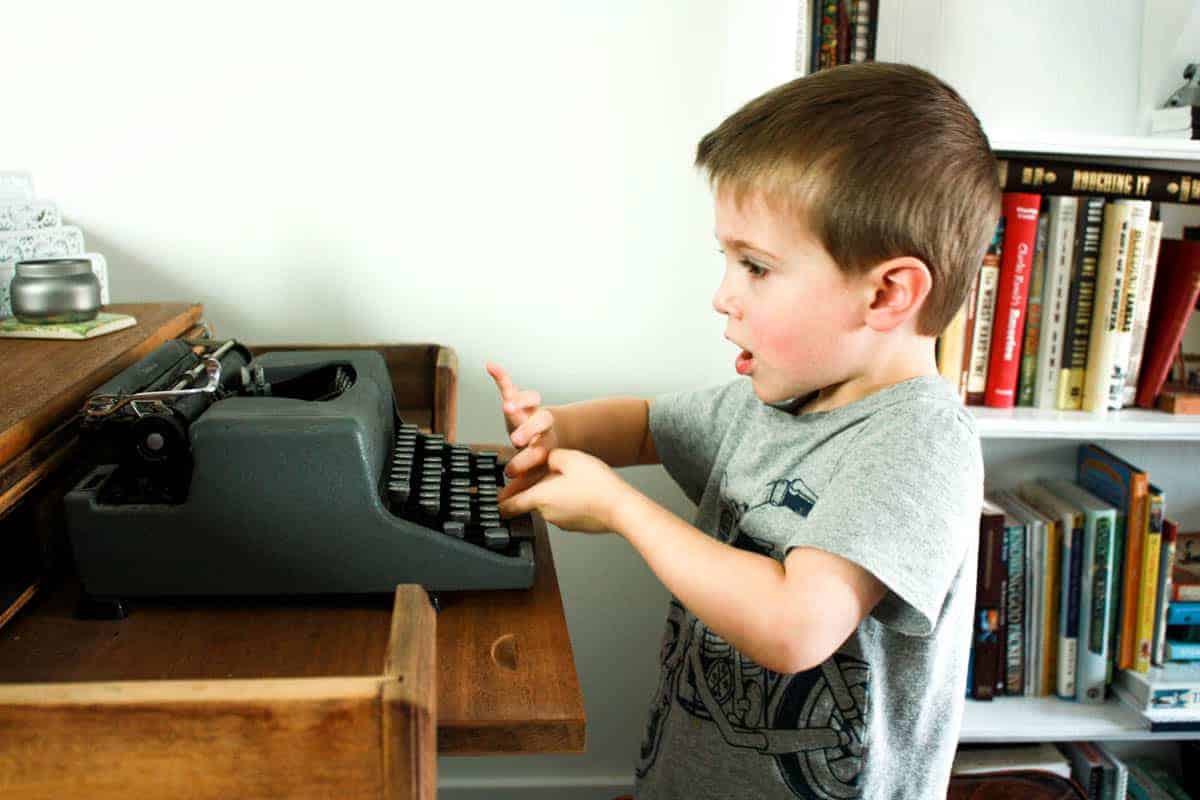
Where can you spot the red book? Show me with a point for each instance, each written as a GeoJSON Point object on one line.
{"type": "Point", "coordinates": [1176, 288]}
{"type": "Point", "coordinates": [1012, 294]}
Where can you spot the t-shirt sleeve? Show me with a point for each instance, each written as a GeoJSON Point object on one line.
{"type": "Point", "coordinates": [904, 504]}
{"type": "Point", "coordinates": [687, 429]}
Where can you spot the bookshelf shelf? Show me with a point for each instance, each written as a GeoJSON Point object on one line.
{"type": "Point", "coordinates": [1049, 719]}
{"type": "Point", "coordinates": [1072, 146]}
{"type": "Point", "coordinates": [1129, 424]}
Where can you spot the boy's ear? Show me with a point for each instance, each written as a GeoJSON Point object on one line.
{"type": "Point", "coordinates": [898, 289]}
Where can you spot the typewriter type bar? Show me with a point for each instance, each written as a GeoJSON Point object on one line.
{"type": "Point", "coordinates": [217, 473]}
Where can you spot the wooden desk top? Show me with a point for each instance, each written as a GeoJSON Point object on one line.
{"type": "Point", "coordinates": [506, 680]}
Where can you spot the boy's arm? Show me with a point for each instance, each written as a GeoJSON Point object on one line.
{"type": "Point", "coordinates": [615, 430]}
{"type": "Point", "coordinates": [788, 616]}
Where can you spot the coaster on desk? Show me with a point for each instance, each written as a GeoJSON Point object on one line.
{"type": "Point", "coordinates": [105, 322]}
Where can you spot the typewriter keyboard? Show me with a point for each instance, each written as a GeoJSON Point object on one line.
{"type": "Point", "coordinates": [448, 488]}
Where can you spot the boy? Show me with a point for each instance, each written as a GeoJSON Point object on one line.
{"type": "Point", "coordinates": [817, 640]}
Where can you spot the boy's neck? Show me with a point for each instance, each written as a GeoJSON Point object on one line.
{"type": "Point", "coordinates": [914, 360]}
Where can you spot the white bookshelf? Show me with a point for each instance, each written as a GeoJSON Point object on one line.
{"type": "Point", "coordinates": [1050, 719]}
{"type": "Point", "coordinates": [1140, 148]}
{"type": "Point", "coordinates": [1126, 425]}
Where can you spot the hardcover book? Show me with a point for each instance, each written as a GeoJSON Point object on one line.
{"type": "Point", "coordinates": [1106, 316]}
{"type": "Point", "coordinates": [1020, 232]}
{"type": "Point", "coordinates": [1115, 480]}
{"type": "Point", "coordinates": [1141, 313]}
{"type": "Point", "coordinates": [1096, 609]}
{"type": "Point", "coordinates": [989, 597]}
{"type": "Point", "coordinates": [1056, 293]}
{"type": "Point", "coordinates": [985, 309]}
{"type": "Point", "coordinates": [1148, 592]}
{"type": "Point", "coordinates": [1135, 254]}
{"type": "Point", "coordinates": [1064, 177]}
{"type": "Point", "coordinates": [1081, 302]}
{"type": "Point", "coordinates": [1027, 375]}
{"type": "Point", "coordinates": [1176, 289]}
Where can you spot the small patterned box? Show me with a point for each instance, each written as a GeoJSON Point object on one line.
{"type": "Point", "coordinates": [24, 215]}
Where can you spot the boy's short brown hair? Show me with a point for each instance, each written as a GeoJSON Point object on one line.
{"type": "Point", "coordinates": [882, 160]}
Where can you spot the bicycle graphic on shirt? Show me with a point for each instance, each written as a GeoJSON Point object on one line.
{"type": "Point", "coordinates": [813, 723]}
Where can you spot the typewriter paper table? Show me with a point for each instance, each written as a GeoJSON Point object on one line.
{"type": "Point", "coordinates": [505, 673]}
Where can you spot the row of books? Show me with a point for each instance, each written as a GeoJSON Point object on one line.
{"type": "Point", "coordinates": [843, 32]}
{"type": "Point", "coordinates": [1076, 580]}
{"type": "Point", "coordinates": [1079, 302]}
{"type": "Point", "coordinates": [1099, 770]}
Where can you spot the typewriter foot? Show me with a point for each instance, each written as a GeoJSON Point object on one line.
{"type": "Point", "coordinates": [435, 600]}
{"type": "Point", "coordinates": [93, 607]}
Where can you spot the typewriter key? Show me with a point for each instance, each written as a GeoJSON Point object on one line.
{"type": "Point", "coordinates": [496, 538]}
{"type": "Point", "coordinates": [454, 528]}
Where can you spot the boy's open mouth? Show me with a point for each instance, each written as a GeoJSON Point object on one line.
{"type": "Point", "coordinates": [744, 362]}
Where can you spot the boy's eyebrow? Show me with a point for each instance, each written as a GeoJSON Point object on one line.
{"type": "Point", "coordinates": [742, 244]}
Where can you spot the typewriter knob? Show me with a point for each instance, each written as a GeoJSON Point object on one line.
{"type": "Point", "coordinates": [159, 437]}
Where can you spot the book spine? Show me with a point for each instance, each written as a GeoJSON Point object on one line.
{"type": "Point", "coordinates": [1182, 651]}
{"type": "Point", "coordinates": [1141, 314]}
{"type": "Point", "coordinates": [1137, 525]}
{"type": "Point", "coordinates": [1064, 177]}
{"type": "Point", "coordinates": [950, 349]}
{"type": "Point", "coordinates": [1148, 593]}
{"type": "Point", "coordinates": [1072, 569]}
{"type": "Point", "coordinates": [1027, 372]}
{"type": "Point", "coordinates": [968, 337]}
{"type": "Point", "coordinates": [1051, 349]}
{"type": "Point", "coordinates": [1183, 614]}
{"type": "Point", "coordinates": [1095, 606]}
{"type": "Point", "coordinates": [1051, 610]}
{"type": "Point", "coordinates": [1081, 303]}
{"type": "Point", "coordinates": [1021, 215]}
{"type": "Point", "coordinates": [985, 308]}
{"type": "Point", "coordinates": [1139, 222]}
{"type": "Point", "coordinates": [1106, 315]}
{"type": "Point", "coordinates": [1014, 616]}
{"type": "Point", "coordinates": [1165, 562]}
{"type": "Point", "coordinates": [988, 647]}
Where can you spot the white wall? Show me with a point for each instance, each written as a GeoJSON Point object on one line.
{"type": "Point", "coordinates": [513, 180]}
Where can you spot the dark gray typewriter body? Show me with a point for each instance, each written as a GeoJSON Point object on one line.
{"type": "Point", "coordinates": [247, 492]}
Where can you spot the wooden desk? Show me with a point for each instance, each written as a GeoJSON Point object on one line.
{"type": "Point", "coordinates": [505, 673]}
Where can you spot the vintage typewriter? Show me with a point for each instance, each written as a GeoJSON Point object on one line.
{"type": "Point", "coordinates": [217, 473]}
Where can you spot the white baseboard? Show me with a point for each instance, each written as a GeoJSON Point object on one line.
{"type": "Point", "coordinates": [597, 788]}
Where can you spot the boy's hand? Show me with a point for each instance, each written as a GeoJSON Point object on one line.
{"type": "Point", "coordinates": [530, 427]}
{"type": "Point", "coordinates": [579, 493]}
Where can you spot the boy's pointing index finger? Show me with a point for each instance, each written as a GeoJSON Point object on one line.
{"type": "Point", "coordinates": [503, 382]}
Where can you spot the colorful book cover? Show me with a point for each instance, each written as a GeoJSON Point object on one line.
{"type": "Point", "coordinates": [1027, 375]}
{"type": "Point", "coordinates": [1020, 212]}
{"type": "Point", "coordinates": [1116, 481]}
{"type": "Point", "coordinates": [1148, 592]}
{"type": "Point", "coordinates": [1185, 575]}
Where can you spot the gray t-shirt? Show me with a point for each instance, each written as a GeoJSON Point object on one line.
{"type": "Point", "coordinates": [892, 482]}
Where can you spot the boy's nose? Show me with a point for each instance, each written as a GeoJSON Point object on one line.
{"type": "Point", "coordinates": [723, 302]}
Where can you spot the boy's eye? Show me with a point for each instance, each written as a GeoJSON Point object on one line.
{"type": "Point", "coordinates": [755, 270]}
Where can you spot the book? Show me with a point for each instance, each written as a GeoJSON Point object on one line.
{"type": "Point", "coordinates": [1065, 177]}
{"type": "Point", "coordinates": [1027, 371]}
{"type": "Point", "coordinates": [1106, 315]}
{"type": "Point", "coordinates": [970, 760]}
{"type": "Point", "coordinates": [1014, 617]}
{"type": "Point", "coordinates": [1063, 213]}
{"type": "Point", "coordinates": [1141, 314]}
{"type": "Point", "coordinates": [1185, 574]}
{"type": "Point", "coordinates": [1117, 788]}
{"type": "Point", "coordinates": [985, 308]}
{"type": "Point", "coordinates": [1148, 594]}
{"type": "Point", "coordinates": [1160, 720]}
{"type": "Point", "coordinates": [1070, 545]}
{"type": "Point", "coordinates": [1173, 685]}
{"type": "Point", "coordinates": [1135, 255]}
{"type": "Point", "coordinates": [1020, 212]}
{"type": "Point", "coordinates": [1183, 614]}
{"type": "Point", "coordinates": [1166, 561]}
{"type": "Point", "coordinates": [1042, 589]}
{"type": "Point", "coordinates": [950, 348]}
{"type": "Point", "coordinates": [1178, 650]}
{"type": "Point", "coordinates": [105, 322]}
{"type": "Point", "coordinates": [1176, 289]}
{"type": "Point", "coordinates": [1097, 573]}
{"type": "Point", "coordinates": [989, 593]}
{"type": "Point", "coordinates": [1087, 766]}
{"type": "Point", "coordinates": [1081, 302]}
{"type": "Point", "coordinates": [1115, 480]}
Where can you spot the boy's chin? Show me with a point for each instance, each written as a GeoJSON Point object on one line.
{"type": "Point", "coordinates": [774, 395]}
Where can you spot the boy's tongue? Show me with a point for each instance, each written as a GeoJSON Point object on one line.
{"type": "Point", "coordinates": [744, 362]}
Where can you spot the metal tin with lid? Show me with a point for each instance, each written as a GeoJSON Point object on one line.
{"type": "Point", "coordinates": [55, 290]}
